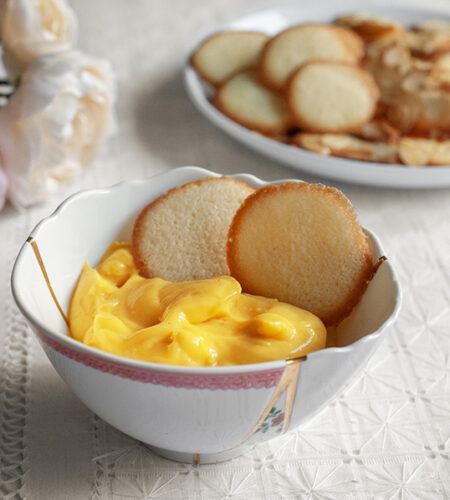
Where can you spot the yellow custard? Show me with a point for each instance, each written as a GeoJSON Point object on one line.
{"type": "Point", "coordinates": [196, 323]}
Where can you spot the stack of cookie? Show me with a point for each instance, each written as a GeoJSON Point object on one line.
{"type": "Point", "coordinates": [362, 88]}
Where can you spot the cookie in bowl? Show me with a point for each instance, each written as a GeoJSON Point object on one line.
{"type": "Point", "coordinates": [301, 243]}
{"type": "Point", "coordinates": [182, 235]}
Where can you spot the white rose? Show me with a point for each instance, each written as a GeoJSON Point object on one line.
{"type": "Point", "coordinates": [53, 123]}
{"type": "Point", "coordinates": [33, 28]}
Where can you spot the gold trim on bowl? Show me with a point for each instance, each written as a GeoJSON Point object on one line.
{"type": "Point", "coordinates": [37, 253]}
{"type": "Point", "coordinates": [288, 382]}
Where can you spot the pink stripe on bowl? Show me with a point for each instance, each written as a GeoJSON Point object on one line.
{"type": "Point", "coordinates": [262, 379]}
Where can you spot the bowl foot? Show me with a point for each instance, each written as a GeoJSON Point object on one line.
{"type": "Point", "coordinates": [199, 458]}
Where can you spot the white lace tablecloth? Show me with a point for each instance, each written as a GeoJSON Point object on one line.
{"type": "Point", "coordinates": [386, 436]}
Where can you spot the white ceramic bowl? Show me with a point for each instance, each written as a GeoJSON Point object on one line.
{"type": "Point", "coordinates": [184, 413]}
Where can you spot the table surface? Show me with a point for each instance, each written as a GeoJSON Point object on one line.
{"type": "Point", "coordinates": [386, 436]}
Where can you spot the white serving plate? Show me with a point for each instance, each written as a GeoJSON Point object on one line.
{"type": "Point", "coordinates": [271, 21]}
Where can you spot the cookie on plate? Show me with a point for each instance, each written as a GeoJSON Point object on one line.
{"type": "Point", "coordinates": [347, 146]}
{"type": "Point", "coordinates": [302, 244]}
{"type": "Point", "coordinates": [331, 96]}
{"type": "Point", "coordinates": [429, 39]}
{"type": "Point", "coordinates": [372, 28]}
{"type": "Point", "coordinates": [243, 99]}
{"type": "Point", "coordinates": [417, 152]}
{"type": "Point", "coordinates": [226, 53]}
{"type": "Point", "coordinates": [181, 236]}
{"type": "Point", "coordinates": [291, 48]}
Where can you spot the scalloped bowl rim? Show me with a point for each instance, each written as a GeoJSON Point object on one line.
{"type": "Point", "coordinates": [79, 346]}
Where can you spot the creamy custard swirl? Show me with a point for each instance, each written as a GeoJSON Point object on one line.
{"type": "Point", "coordinates": [196, 323]}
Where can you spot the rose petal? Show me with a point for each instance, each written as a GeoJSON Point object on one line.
{"type": "Point", "coordinates": [53, 124]}
{"type": "Point", "coordinates": [30, 29]}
